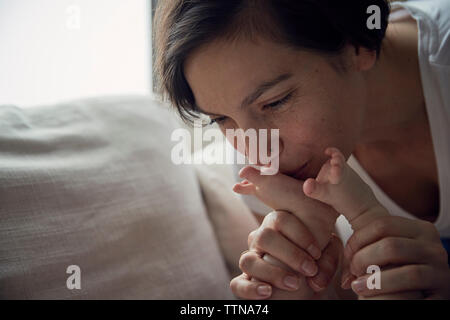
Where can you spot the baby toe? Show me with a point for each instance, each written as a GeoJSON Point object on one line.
{"type": "Point", "coordinates": [336, 161]}
{"type": "Point", "coordinates": [336, 174]}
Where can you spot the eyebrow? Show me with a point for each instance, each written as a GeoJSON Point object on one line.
{"type": "Point", "coordinates": [263, 87]}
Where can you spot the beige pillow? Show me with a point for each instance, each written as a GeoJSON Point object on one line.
{"type": "Point", "coordinates": [230, 217]}
{"type": "Point", "coordinates": [90, 183]}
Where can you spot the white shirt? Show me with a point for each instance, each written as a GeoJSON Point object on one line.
{"type": "Point", "coordinates": [433, 20]}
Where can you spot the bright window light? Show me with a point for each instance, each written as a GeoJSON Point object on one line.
{"type": "Point", "coordinates": [55, 50]}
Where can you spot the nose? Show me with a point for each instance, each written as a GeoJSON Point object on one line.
{"type": "Point", "coordinates": [257, 144]}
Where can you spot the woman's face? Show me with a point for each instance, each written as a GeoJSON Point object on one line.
{"type": "Point", "coordinates": [312, 104]}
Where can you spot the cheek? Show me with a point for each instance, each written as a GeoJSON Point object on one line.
{"type": "Point", "coordinates": [329, 116]}
{"type": "Point", "coordinates": [310, 132]}
{"type": "Point", "coordinates": [239, 147]}
{"type": "Point", "coordinates": [340, 119]}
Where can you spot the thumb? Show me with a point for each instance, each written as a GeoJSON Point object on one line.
{"type": "Point", "coordinates": [328, 265]}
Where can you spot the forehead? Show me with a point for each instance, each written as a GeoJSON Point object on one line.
{"type": "Point", "coordinates": [223, 73]}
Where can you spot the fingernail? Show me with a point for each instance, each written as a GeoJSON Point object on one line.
{"type": "Point", "coordinates": [264, 290]}
{"type": "Point", "coordinates": [309, 267]}
{"type": "Point", "coordinates": [314, 251]}
{"type": "Point", "coordinates": [291, 282]}
{"type": "Point", "coordinates": [317, 288]}
{"type": "Point", "coordinates": [359, 285]}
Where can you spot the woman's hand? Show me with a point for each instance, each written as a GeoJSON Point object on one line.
{"type": "Point", "coordinates": [270, 282]}
{"type": "Point", "coordinates": [261, 279]}
{"type": "Point", "coordinates": [411, 252]}
{"type": "Point", "coordinates": [283, 236]}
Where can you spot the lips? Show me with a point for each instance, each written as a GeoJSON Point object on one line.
{"type": "Point", "coordinates": [300, 173]}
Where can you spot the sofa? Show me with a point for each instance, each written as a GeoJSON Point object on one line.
{"type": "Point", "coordinates": [89, 185]}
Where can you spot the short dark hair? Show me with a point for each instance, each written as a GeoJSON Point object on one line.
{"type": "Point", "coordinates": [324, 26]}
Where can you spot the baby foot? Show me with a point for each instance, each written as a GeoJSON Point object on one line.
{"type": "Point", "coordinates": [331, 173]}
{"type": "Point", "coordinates": [340, 187]}
{"type": "Point", "coordinates": [334, 169]}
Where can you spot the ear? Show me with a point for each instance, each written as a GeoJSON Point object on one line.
{"type": "Point", "coordinates": [364, 59]}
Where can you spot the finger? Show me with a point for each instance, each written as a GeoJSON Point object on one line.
{"type": "Point", "coordinates": [347, 277]}
{"type": "Point", "coordinates": [294, 230]}
{"type": "Point", "coordinates": [389, 226]}
{"type": "Point", "coordinates": [328, 265]}
{"type": "Point", "coordinates": [251, 237]}
{"type": "Point", "coordinates": [395, 251]}
{"type": "Point", "coordinates": [402, 279]}
{"type": "Point", "coordinates": [252, 264]}
{"type": "Point", "coordinates": [242, 287]}
{"type": "Point", "coordinates": [270, 241]}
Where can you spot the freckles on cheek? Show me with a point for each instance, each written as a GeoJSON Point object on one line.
{"type": "Point", "coordinates": [319, 134]}
{"type": "Point", "coordinates": [330, 122]}
{"type": "Point", "coordinates": [311, 119]}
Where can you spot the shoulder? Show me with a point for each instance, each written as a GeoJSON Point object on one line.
{"type": "Point", "coordinates": [433, 17]}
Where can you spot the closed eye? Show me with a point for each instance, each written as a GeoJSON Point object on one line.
{"type": "Point", "coordinates": [273, 105]}
{"type": "Point", "coordinates": [218, 120]}
{"type": "Point", "coordinates": [278, 103]}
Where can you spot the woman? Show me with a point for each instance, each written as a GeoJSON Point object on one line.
{"type": "Point", "coordinates": [318, 73]}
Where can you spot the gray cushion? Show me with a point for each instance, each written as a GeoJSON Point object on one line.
{"type": "Point", "coordinates": [91, 183]}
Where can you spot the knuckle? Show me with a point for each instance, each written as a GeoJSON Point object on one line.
{"type": "Point", "coordinates": [276, 275]}
{"type": "Point", "coordinates": [390, 246]}
{"type": "Point", "coordinates": [430, 228]}
{"type": "Point", "coordinates": [251, 236]}
{"type": "Point", "coordinates": [381, 226]}
{"type": "Point", "coordinates": [246, 261]}
{"type": "Point", "coordinates": [240, 287]}
{"type": "Point", "coordinates": [233, 285]}
{"type": "Point", "coordinates": [263, 238]}
{"type": "Point", "coordinates": [298, 257]}
{"type": "Point", "coordinates": [440, 252]}
{"type": "Point", "coordinates": [353, 242]}
{"type": "Point", "coordinates": [270, 216]}
{"type": "Point", "coordinates": [427, 225]}
{"type": "Point", "coordinates": [356, 265]}
{"type": "Point", "coordinates": [280, 219]}
{"type": "Point", "coordinates": [415, 274]}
